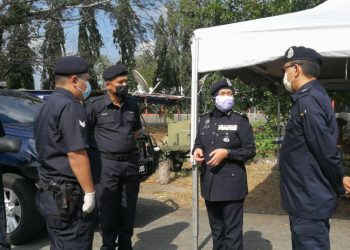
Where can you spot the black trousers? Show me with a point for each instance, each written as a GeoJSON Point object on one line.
{"type": "Point", "coordinates": [309, 234]}
{"type": "Point", "coordinates": [226, 223]}
{"type": "Point", "coordinates": [75, 233]}
{"type": "Point", "coordinates": [3, 243]}
{"type": "Point", "coordinates": [117, 194]}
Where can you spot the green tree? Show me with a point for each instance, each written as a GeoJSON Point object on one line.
{"type": "Point", "coordinates": [52, 49]}
{"type": "Point", "coordinates": [129, 30]}
{"type": "Point", "coordinates": [90, 41]}
{"type": "Point", "coordinates": [18, 70]}
{"type": "Point", "coordinates": [146, 65]}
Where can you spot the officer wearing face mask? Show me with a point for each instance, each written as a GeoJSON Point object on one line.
{"type": "Point", "coordinates": [66, 193]}
{"type": "Point", "coordinates": [223, 144]}
{"type": "Point", "coordinates": [311, 173]}
{"type": "Point", "coordinates": [115, 121]}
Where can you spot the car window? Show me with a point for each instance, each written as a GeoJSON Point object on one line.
{"type": "Point", "coordinates": [18, 108]}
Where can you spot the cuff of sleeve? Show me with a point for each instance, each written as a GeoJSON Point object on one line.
{"type": "Point", "coordinates": [233, 155]}
{"type": "Point", "coordinates": [341, 191]}
{"type": "Point", "coordinates": [194, 148]}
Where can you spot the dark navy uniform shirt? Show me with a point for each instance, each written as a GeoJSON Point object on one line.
{"type": "Point", "coordinates": [112, 128]}
{"type": "Point", "coordinates": [232, 131]}
{"type": "Point", "coordinates": [311, 173]}
{"type": "Point", "coordinates": [60, 127]}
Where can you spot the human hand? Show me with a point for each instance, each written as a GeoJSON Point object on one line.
{"type": "Point", "coordinates": [346, 183]}
{"type": "Point", "coordinates": [89, 202]}
{"type": "Point", "coordinates": [198, 155]}
{"type": "Point", "coordinates": [217, 156]}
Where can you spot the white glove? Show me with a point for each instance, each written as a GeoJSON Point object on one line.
{"type": "Point", "coordinates": [89, 202]}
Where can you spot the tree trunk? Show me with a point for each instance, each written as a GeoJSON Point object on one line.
{"type": "Point", "coordinates": [164, 172]}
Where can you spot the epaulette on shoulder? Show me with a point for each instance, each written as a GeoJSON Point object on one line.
{"type": "Point", "coordinates": [202, 115]}
{"type": "Point", "coordinates": [95, 98]}
{"type": "Point", "coordinates": [241, 114]}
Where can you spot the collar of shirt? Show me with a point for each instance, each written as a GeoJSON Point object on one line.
{"type": "Point", "coordinates": [108, 101]}
{"type": "Point", "coordinates": [218, 113]}
{"type": "Point", "coordinates": [305, 88]}
{"type": "Point", "coordinates": [66, 93]}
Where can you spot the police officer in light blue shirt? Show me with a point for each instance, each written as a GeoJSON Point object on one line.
{"type": "Point", "coordinates": [311, 173]}
{"type": "Point", "coordinates": [66, 195]}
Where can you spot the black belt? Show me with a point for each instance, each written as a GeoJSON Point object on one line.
{"type": "Point", "coordinates": [115, 157]}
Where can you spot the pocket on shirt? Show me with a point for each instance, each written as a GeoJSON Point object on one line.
{"type": "Point", "coordinates": [130, 116]}
{"type": "Point", "coordinates": [228, 139]}
{"type": "Point", "coordinates": [105, 119]}
{"type": "Point", "coordinates": [289, 125]}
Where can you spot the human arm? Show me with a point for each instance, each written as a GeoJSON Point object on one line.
{"type": "Point", "coordinates": [322, 141]}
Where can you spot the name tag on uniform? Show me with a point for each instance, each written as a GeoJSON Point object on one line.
{"type": "Point", "coordinates": [227, 127]}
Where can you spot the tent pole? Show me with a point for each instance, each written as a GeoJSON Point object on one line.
{"type": "Point", "coordinates": [278, 124]}
{"type": "Point", "coordinates": [194, 116]}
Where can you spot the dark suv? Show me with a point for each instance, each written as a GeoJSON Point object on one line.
{"type": "Point", "coordinates": [20, 168]}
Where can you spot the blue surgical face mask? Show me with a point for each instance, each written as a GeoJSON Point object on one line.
{"type": "Point", "coordinates": [224, 103]}
{"type": "Point", "coordinates": [87, 91]}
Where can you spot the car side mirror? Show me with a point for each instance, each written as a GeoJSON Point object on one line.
{"type": "Point", "coordinates": [9, 144]}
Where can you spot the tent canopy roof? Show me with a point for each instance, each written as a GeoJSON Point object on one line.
{"type": "Point", "coordinates": [253, 50]}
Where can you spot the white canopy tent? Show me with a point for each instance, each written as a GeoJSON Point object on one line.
{"type": "Point", "coordinates": [253, 51]}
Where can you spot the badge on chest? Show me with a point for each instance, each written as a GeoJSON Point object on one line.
{"type": "Point", "coordinates": [227, 127]}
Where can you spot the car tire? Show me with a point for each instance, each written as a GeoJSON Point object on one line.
{"type": "Point", "coordinates": [23, 219]}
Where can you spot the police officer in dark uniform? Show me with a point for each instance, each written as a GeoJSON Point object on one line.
{"type": "Point", "coordinates": [115, 121]}
{"type": "Point", "coordinates": [311, 172]}
{"type": "Point", "coordinates": [3, 243]}
{"type": "Point", "coordinates": [223, 144]}
{"type": "Point", "coordinates": [66, 196]}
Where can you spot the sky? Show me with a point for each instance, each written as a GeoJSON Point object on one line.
{"type": "Point", "coordinates": [106, 30]}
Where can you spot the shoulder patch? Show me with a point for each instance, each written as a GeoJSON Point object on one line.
{"type": "Point", "coordinates": [208, 113]}
{"type": "Point", "coordinates": [241, 114]}
{"type": "Point", "coordinates": [96, 98]}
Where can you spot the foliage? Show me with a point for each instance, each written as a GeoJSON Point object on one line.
{"type": "Point", "coordinates": [18, 69]}
{"type": "Point", "coordinates": [265, 134]}
{"type": "Point", "coordinates": [29, 23]}
{"type": "Point", "coordinates": [146, 66]}
{"type": "Point", "coordinates": [36, 19]}
{"type": "Point", "coordinates": [173, 54]}
{"type": "Point", "coordinates": [100, 65]}
{"type": "Point", "coordinates": [128, 31]}
{"type": "Point", "coordinates": [90, 41]}
{"type": "Point", "coordinates": [52, 49]}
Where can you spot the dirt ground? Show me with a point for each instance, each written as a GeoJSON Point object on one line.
{"type": "Point", "coordinates": [263, 184]}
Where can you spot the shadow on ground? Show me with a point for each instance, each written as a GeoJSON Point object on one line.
{"type": "Point", "coordinates": [150, 210]}
{"type": "Point", "coordinates": [254, 240]}
{"type": "Point", "coordinates": [161, 237]}
{"type": "Point", "coordinates": [147, 211]}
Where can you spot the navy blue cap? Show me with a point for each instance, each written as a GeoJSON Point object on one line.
{"type": "Point", "coordinates": [114, 71]}
{"type": "Point", "coordinates": [302, 53]}
{"type": "Point", "coordinates": [221, 84]}
{"type": "Point", "coordinates": [71, 65]}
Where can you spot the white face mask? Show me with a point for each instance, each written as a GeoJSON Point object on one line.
{"type": "Point", "coordinates": [224, 103]}
{"type": "Point", "coordinates": [287, 84]}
